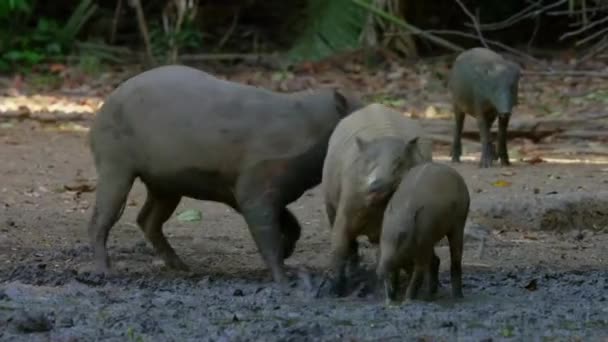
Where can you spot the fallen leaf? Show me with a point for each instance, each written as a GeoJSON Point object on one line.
{"type": "Point", "coordinates": [10, 141]}
{"type": "Point", "coordinates": [80, 187]}
{"type": "Point", "coordinates": [535, 160]}
{"type": "Point", "coordinates": [190, 215]}
{"type": "Point", "coordinates": [501, 183]}
{"type": "Point", "coordinates": [57, 67]}
{"type": "Point", "coordinates": [532, 285]}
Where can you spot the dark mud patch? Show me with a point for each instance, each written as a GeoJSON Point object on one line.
{"type": "Point", "coordinates": [521, 303]}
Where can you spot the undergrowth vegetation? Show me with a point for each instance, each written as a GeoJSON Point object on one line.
{"type": "Point", "coordinates": [94, 32]}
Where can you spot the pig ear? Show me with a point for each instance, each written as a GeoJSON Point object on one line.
{"type": "Point", "coordinates": [341, 103]}
{"type": "Point", "coordinates": [360, 143]}
{"type": "Point", "coordinates": [411, 144]}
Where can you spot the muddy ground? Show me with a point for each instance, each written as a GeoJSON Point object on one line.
{"type": "Point", "coordinates": [527, 284]}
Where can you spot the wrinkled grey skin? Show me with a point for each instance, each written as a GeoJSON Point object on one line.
{"type": "Point", "coordinates": [367, 155]}
{"type": "Point", "coordinates": [183, 132]}
{"type": "Point", "coordinates": [484, 85]}
{"type": "Point", "coordinates": [431, 202]}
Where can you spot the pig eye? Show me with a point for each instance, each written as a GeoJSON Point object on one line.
{"type": "Point", "coordinates": [398, 164]}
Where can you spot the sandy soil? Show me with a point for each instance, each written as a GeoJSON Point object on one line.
{"type": "Point", "coordinates": [528, 284]}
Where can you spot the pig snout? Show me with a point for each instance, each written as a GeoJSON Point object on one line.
{"type": "Point", "coordinates": [378, 190]}
{"type": "Point", "coordinates": [504, 102]}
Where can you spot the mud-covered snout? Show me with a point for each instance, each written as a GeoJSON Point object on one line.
{"type": "Point", "coordinates": [379, 187]}
{"type": "Point", "coordinates": [378, 190]}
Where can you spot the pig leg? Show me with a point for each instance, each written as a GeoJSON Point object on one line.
{"type": "Point", "coordinates": [156, 211]}
{"type": "Point", "coordinates": [353, 258]}
{"type": "Point", "coordinates": [421, 268]}
{"type": "Point", "coordinates": [387, 275]}
{"type": "Point", "coordinates": [264, 223]}
{"type": "Point", "coordinates": [458, 125]}
{"type": "Point", "coordinates": [455, 240]}
{"type": "Point", "coordinates": [340, 251]}
{"type": "Point", "coordinates": [331, 213]}
{"type": "Point", "coordinates": [503, 123]}
{"type": "Point", "coordinates": [257, 199]}
{"type": "Point", "coordinates": [434, 274]}
{"type": "Point", "coordinates": [291, 230]}
{"type": "Point", "coordinates": [391, 286]}
{"type": "Point", "coordinates": [487, 148]}
{"type": "Point", "coordinates": [113, 187]}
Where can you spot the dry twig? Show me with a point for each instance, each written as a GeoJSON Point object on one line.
{"type": "Point", "coordinates": [474, 21]}
{"type": "Point", "coordinates": [490, 42]}
{"type": "Point", "coordinates": [143, 28]}
{"type": "Point", "coordinates": [527, 12]}
{"type": "Point", "coordinates": [115, 21]}
{"type": "Point", "coordinates": [230, 30]}
{"type": "Point", "coordinates": [410, 28]}
{"type": "Point", "coordinates": [584, 28]}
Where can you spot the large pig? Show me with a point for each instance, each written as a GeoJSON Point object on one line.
{"type": "Point", "coordinates": [183, 132]}
{"type": "Point", "coordinates": [368, 153]}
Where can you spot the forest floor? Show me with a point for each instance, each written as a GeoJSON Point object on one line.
{"type": "Point", "coordinates": [542, 273]}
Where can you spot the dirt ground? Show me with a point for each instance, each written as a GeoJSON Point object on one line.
{"type": "Point", "coordinates": [527, 284]}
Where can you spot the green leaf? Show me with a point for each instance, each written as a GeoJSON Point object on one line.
{"type": "Point", "coordinates": [190, 215]}
{"type": "Point", "coordinates": [507, 331]}
{"type": "Point", "coordinates": [332, 26]}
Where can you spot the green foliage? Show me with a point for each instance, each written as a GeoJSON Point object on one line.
{"type": "Point", "coordinates": [331, 26]}
{"type": "Point", "coordinates": [25, 45]}
{"type": "Point", "coordinates": [189, 37]}
{"type": "Point", "coordinates": [90, 64]}
{"type": "Point", "coordinates": [9, 7]}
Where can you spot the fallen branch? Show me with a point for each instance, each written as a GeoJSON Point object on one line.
{"type": "Point", "coordinates": [561, 73]}
{"type": "Point", "coordinates": [266, 60]}
{"type": "Point", "coordinates": [584, 135]}
{"type": "Point", "coordinates": [46, 117]}
{"type": "Point", "coordinates": [533, 129]}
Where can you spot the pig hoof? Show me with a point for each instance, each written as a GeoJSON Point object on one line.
{"type": "Point", "coordinates": [485, 163]}
{"type": "Point", "coordinates": [290, 247]}
{"type": "Point", "coordinates": [455, 159]}
{"type": "Point", "coordinates": [457, 295]}
{"type": "Point", "coordinates": [94, 272]}
{"type": "Point", "coordinates": [505, 161]}
{"type": "Point", "coordinates": [176, 264]}
{"type": "Point", "coordinates": [391, 303]}
{"type": "Point", "coordinates": [337, 289]}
